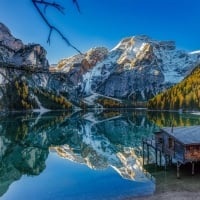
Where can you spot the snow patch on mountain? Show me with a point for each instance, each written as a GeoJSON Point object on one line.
{"type": "Point", "coordinates": [195, 52]}
{"type": "Point", "coordinates": [138, 67]}
{"type": "Point", "coordinates": [100, 72]}
{"type": "Point", "coordinates": [175, 63]}
{"type": "Point", "coordinates": [41, 109]}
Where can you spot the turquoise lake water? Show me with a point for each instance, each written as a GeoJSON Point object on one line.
{"type": "Point", "coordinates": [60, 155]}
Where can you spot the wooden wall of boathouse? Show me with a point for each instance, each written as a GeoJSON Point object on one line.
{"type": "Point", "coordinates": [171, 146]}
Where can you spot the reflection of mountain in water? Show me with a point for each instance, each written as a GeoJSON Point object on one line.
{"type": "Point", "coordinates": [114, 142]}
{"type": "Point", "coordinates": [97, 140]}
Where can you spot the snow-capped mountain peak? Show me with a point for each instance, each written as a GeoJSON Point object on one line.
{"type": "Point", "coordinates": [138, 67]}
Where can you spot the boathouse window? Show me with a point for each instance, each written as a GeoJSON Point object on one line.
{"type": "Point", "coordinates": [193, 152]}
{"type": "Point", "coordinates": [193, 148]}
{"type": "Point", "coordinates": [160, 140]}
{"type": "Point", "coordinates": [170, 142]}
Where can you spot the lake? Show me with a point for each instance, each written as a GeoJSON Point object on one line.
{"type": "Point", "coordinates": [81, 155]}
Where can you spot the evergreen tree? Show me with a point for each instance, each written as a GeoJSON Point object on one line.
{"type": "Point", "coordinates": [184, 95]}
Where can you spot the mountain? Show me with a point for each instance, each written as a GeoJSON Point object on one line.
{"type": "Point", "coordinates": [184, 95]}
{"type": "Point", "coordinates": [136, 69]}
{"type": "Point", "coordinates": [13, 51]}
{"type": "Point", "coordinates": [24, 76]}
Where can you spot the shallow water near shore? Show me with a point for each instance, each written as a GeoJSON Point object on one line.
{"type": "Point", "coordinates": [169, 187]}
{"type": "Point", "coordinates": [62, 155]}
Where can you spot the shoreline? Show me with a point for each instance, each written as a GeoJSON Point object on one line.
{"type": "Point", "coordinates": [168, 187]}
{"type": "Point", "coordinates": [175, 195]}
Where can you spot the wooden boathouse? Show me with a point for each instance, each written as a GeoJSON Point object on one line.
{"type": "Point", "coordinates": [179, 144]}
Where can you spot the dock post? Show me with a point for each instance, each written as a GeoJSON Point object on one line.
{"type": "Point", "coordinates": [165, 162]}
{"type": "Point", "coordinates": [170, 160]}
{"type": "Point", "coordinates": [147, 154]}
{"type": "Point", "coordinates": [156, 156]}
{"type": "Point", "coordinates": [160, 158]}
{"type": "Point", "coordinates": [178, 169]}
{"type": "Point", "coordinates": [156, 152]}
{"type": "Point", "coordinates": [192, 168]}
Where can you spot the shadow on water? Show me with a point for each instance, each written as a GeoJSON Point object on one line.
{"type": "Point", "coordinates": [97, 140]}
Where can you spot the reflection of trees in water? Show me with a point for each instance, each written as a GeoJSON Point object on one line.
{"type": "Point", "coordinates": [24, 145]}
{"type": "Point", "coordinates": [25, 139]}
{"type": "Point", "coordinates": [128, 129]}
{"type": "Point", "coordinates": [163, 119]}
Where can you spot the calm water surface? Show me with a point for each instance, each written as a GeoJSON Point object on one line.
{"type": "Point", "coordinates": [59, 155]}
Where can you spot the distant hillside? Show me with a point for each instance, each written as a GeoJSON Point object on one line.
{"type": "Point", "coordinates": [185, 95]}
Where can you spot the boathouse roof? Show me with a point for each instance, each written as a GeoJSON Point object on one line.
{"type": "Point", "coordinates": [187, 135]}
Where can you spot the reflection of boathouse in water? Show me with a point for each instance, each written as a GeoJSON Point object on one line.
{"type": "Point", "coordinates": [180, 144]}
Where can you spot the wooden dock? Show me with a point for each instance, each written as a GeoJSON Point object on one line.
{"type": "Point", "coordinates": [178, 144]}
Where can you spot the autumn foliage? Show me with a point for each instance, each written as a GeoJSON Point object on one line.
{"type": "Point", "coordinates": [185, 95]}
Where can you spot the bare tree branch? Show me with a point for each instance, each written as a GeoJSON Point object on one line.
{"type": "Point", "coordinates": [52, 28]}
{"type": "Point", "coordinates": [49, 4]}
{"type": "Point", "coordinates": [77, 5]}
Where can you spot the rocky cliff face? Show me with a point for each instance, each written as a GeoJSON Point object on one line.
{"type": "Point", "coordinates": [24, 76]}
{"type": "Point", "coordinates": [136, 69]}
{"type": "Point", "coordinates": [77, 66]}
{"type": "Point", "coordinates": [13, 51]}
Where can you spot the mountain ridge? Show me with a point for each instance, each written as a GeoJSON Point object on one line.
{"type": "Point", "coordinates": [135, 70]}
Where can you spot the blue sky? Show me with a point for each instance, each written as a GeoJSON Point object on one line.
{"type": "Point", "coordinates": [105, 23]}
